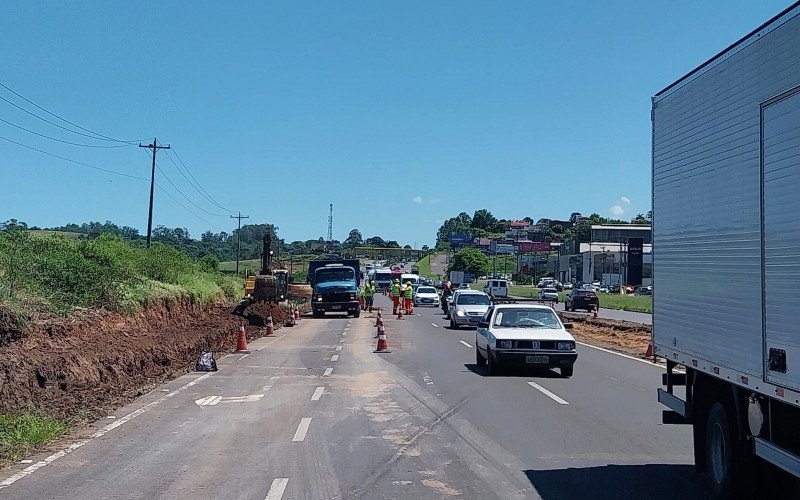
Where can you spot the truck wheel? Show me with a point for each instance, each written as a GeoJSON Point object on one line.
{"type": "Point", "coordinates": [357, 313]}
{"type": "Point", "coordinates": [728, 460]}
{"type": "Point", "coordinates": [479, 359]}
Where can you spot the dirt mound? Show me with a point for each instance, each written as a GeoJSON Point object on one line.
{"type": "Point", "coordinates": [95, 361]}
{"type": "Point", "coordinates": [621, 336]}
{"type": "Point", "coordinates": [615, 324]}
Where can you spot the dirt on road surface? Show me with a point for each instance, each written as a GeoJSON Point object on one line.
{"type": "Point", "coordinates": [623, 336]}
{"type": "Point", "coordinates": [83, 366]}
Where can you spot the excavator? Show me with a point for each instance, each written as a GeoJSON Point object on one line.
{"type": "Point", "coordinates": [269, 285]}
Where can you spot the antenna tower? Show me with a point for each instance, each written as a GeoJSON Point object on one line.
{"type": "Point", "coordinates": [330, 225]}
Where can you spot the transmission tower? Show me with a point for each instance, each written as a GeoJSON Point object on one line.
{"type": "Point", "coordinates": [330, 225]}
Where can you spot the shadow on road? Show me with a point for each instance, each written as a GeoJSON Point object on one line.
{"type": "Point", "coordinates": [651, 481]}
{"type": "Point", "coordinates": [514, 372]}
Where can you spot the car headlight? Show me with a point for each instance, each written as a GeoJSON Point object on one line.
{"type": "Point", "coordinates": [460, 313]}
{"type": "Point", "coordinates": [565, 346]}
{"type": "Point", "coordinates": [352, 296]}
{"type": "Point", "coordinates": [505, 344]}
{"type": "Point", "coordinates": [319, 298]}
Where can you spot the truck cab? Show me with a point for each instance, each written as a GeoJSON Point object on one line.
{"type": "Point", "coordinates": [335, 289]}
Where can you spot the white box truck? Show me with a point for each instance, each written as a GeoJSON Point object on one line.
{"type": "Point", "coordinates": [726, 239]}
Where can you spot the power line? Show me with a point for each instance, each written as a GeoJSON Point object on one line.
{"type": "Point", "coordinates": [100, 136]}
{"type": "Point", "coordinates": [196, 185]}
{"type": "Point", "coordinates": [73, 161]}
{"type": "Point", "coordinates": [61, 140]}
{"type": "Point", "coordinates": [183, 206]}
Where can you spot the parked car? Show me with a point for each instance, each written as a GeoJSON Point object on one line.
{"type": "Point", "coordinates": [644, 290]}
{"type": "Point", "coordinates": [528, 335]}
{"type": "Point", "coordinates": [468, 308]}
{"type": "Point", "coordinates": [549, 294]}
{"type": "Point", "coordinates": [581, 299]}
{"type": "Point", "coordinates": [613, 289]}
{"type": "Point", "coordinates": [630, 289]}
{"type": "Point", "coordinates": [426, 296]}
{"type": "Point", "coordinates": [603, 289]}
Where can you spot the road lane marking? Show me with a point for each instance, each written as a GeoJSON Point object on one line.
{"type": "Point", "coordinates": [466, 344]}
{"type": "Point", "coordinates": [276, 488]}
{"type": "Point", "coordinates": [341, 340]}
{"type": "Point", "coordinates": [243, 357]}
{"type": "Point", "coordinates": [548, 393]}
{"type": "Point", "coordinates": [328, 372]}
{"type": "Point", "coordinates": [434, 325]}
{"type": "Point", "coordinates": [335, 357]}
{"type": "Point", "coordinates": [338, 348]}
{"type": "Point", "coordinates": [302, 429]}
{"type": "Point", "coordinates": [271, 383]}
{"type": "Point", "coordinates": [215, 400]}
{"type": "Point", "coordinates": [27, 471]}
{"type": "Point", "coordinates": [317, 393]}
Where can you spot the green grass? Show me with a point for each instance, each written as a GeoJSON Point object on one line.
{"type": "Point", "coordinates": [21, 433]}
{"type": "Point", "coordinates": [424, 266]}
{"type": "Point", "coordinates": [230, 265]}
{"type": "Point", "coordinates": [634, 303]}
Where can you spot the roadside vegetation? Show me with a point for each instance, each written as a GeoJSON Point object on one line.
{"type": "Point", "coordinates": [43, 274]}
{"type": "Point", "coordinates": [634, 303]}
{"type": "Point", "coordinates": [22, 433]}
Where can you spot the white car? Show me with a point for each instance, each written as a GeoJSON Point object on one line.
{"type": "Point", "coordinates": [568, 286]}
{"type": "Point", "coordinates": [426, 296]}
{"type": "Point", "coordinates": [468, 307]}
{"type": "Point", "coordinates": [549, 294]}
{"type": "Point", "coordinates": [522, 334]}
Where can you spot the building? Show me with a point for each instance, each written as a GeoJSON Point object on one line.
{"type": "Point", "coordinates": [609, 256]}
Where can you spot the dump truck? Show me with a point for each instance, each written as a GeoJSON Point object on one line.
{"type": "Point", "coordinates": [726, 271]}
{"type": "Point", "coordinates": [335, 286]}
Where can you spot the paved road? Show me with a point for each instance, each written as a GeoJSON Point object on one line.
{"type": "Point", "coordinates": [637, 317]}
{"type": "Point", "coordinates": [313, 413]}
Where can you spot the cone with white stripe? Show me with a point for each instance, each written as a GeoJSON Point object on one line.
{"type": "Point", "coordinates": [383, 346]}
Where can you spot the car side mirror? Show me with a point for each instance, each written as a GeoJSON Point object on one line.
{"type": "Point", "coordinates": [567, 326]}
{"type": "Point", "coordinates": [483, 324]}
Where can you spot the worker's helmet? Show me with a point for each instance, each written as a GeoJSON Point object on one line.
{"type": "Point", "coordinates": [371, 282]}
{"type": "Point", "coordinates": [397, 280]}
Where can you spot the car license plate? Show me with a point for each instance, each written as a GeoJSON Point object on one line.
{"type": "Point", "coordinates": [537, 359]}
{"type": "Point", "coordinates": [474, 320]}
{"type": "Point", "coordinates": [336, 307]}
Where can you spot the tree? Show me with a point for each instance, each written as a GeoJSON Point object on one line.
{"type": "Point", "coordinates": [425, 248]}
{"type": "Point", "coordinates": [483, 219]}
{"type": "Point", "coordinates": [640, 219]}
{"type": "Point", "coordinates": [375, 241]}
{"type": "Point", "coordinates": [407, 247]}
{"type": "Point", "coordinates": [354, 239]}
{"type": "Point", "coordinates": [469, 260]}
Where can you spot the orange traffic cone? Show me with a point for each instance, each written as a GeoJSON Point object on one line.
{"type": "Point", "coordinates": [383, 346]}
{"type": "Point", "coordinates": [595, 312]}
{"type": "Point", "coordinates": [378, 321]}
{"type": "Point", "coordinates": [649, 352]}
{"type": "Point", "coordinates": [241, 342]}
{"type": "Point", "coordinates": [270, 325]}
{"type": "Point", "coordinates": [297, 314]}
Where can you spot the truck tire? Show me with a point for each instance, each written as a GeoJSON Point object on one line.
{"type": "Point", "coordinates": [729, 461]}
{"type": "Point", "coordinates": [357, 313]}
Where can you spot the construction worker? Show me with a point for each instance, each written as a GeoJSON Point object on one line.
{"type": "Point", "coordinates": [361, 299]}
{"type": "Point", "coordinates": [409, 296]}
{"type": "Point", "coordinates": [369, 293]}
{"type": "Point", "coordinates": [395, 295]}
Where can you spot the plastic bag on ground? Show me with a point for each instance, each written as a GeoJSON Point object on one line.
{"type": "Point", "coordinates": [206, 362]}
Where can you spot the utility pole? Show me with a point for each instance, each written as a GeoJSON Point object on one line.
{"type": "Point", "coordinates": [155, 147]}
{"type": "Point", "coordinates": [239, 237]}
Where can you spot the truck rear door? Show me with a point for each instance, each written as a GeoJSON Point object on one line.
{"type": "Point", "coordinates": [780, 181]}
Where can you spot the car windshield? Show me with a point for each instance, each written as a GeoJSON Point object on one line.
{"type": "Point", "coordinates": [327, 275]}
{"type": "Point", "coordinates": [526, 318]}
{"type": "Point", "coordinates": [426, 289]}
{"type": "Point", "coordinates": [472, 299]}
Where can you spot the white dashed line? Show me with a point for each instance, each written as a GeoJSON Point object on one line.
{"type": "Point", "coordinates": [317, 393]}
{"type": "Point", "coordinates": [548, 393]}
{"type": "Point", "coordinates": [243, 357]}
{"type": "Point", "coordinates": [271, 383]}
{"type": "Point", "coordinates": [328, 372]}
{"type": "Point", "coordinates": [335, 357]}
{"type": "Point", "coordinates": [302, 429]}
{"type": "Point", "coordinates": [341, 340]}
{"type": "Point", "coordinates": [466, 344]}
{"type": "Point", "coordinates": [434, 325]}
{"type": "Point", "coordinates": [338, 348]}
{"type": "Point", "coordinates": [277, 488]}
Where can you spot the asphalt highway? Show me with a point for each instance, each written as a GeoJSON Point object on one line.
{"type": "Point", "coordinates": [313, 413]}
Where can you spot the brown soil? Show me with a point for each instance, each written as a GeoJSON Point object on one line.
{"type": "Point", "coordinates": [95, 361]}
{"type": "Point", "coordinates": [623, 336]}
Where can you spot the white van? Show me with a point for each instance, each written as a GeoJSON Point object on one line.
{"type": "Point", "coordinates": [413, 278]}
{"type": "Point", "coordinates": [496, 288]}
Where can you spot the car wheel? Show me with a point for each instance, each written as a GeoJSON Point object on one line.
{"type": "Point", "coordinates": [479, 359]}
{"type": "Point", "coordinates": [491, 364]}
{"type": "Point", "coordinates": [357, 313]}
{"type": "Point", "coordinates": [453, 325]}
{"type": "Point", "coordinates": [566, 371]}
{"type": "Point", "coordinates": [572, 308]}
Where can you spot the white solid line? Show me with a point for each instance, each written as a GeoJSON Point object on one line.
{"type": "Point", "coordinates": [328, 372]}
{"type": "Point", "coordinates": [317, 393]}
{"type": "Point", "coordinates": [434, 325]}
{"type": "Point", "coordinates": [243, 357]}
{"type": "Point", "coordinates": [466, 344]}
{"type": "Point", "coordinates": [27, 471]}
{"type": "Point", "coordinates": [276, 488]}
{"type": "Point", "coordinates": [335, 357]}
{"type": "Point", "coordinates": [338, 348]}
{"type": "Point", "coordinates": [302, 429]}
{"type": "Point", "coordinates": [650, 363]}
{"type": "Point", "coordinates": [548, 393]}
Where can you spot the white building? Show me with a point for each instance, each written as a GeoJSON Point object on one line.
{"type": "Point", "coordinates": [605, 257]}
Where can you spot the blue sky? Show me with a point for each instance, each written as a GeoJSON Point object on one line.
{"type": "Point", "coordinates": [401, 114]}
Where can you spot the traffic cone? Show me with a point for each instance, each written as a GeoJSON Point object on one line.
{"type": "Point", "coordinates": [649, 352]}
{"type": "Point", "coordinates": [399, 313]}
{"type": "Point", "coordinates": [383, 346]}
{"type": "Point", "coordinates": [241, 342]}
{"type": "Point", "coordinates": [297, 314]}
{"type": "Point", "coordinates": [378, 321]}
{"type": "Point", "coordinates": [270, 325]}
{"type": "Point", "coordinates": [595, 312]}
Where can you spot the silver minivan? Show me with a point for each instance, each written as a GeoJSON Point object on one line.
{"type": "Point", "coordinates": [496, 288]}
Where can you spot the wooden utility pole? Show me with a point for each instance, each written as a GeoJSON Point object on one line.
{"type": "Point", "coordinates": [155, 147]}
{"type": "Point", "coordinates": [239, 238]}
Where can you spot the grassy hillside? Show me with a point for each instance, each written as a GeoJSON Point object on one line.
{"type": "Point", "coordinates": [44, 273]}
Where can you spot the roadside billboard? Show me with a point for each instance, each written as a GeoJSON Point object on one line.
{"type": "Point", "coordinates": [534, 246]}
{"type": "Point", "coordinates": [501, 248]}
{"type": "Point", "coordinates": [460, 238]}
